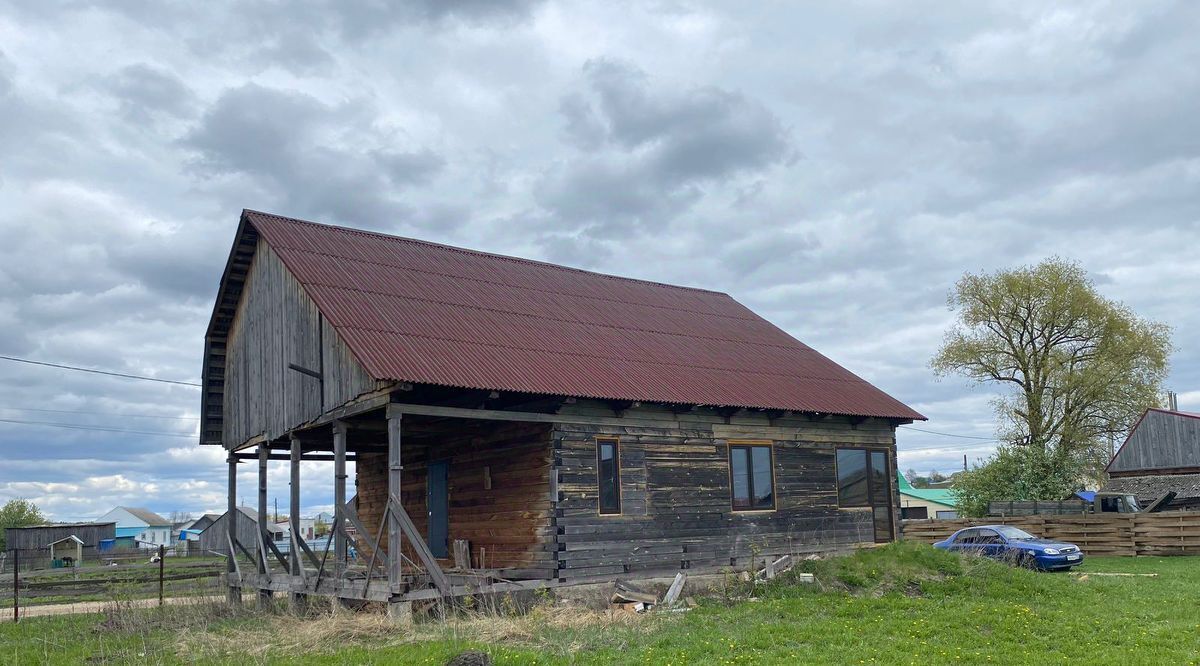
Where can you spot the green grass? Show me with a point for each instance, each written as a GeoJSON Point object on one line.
{"type": "Point", "coordinates": [899, 604]}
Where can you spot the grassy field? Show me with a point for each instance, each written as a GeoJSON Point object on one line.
{"type": "Point", "coordinates": [903, 604]}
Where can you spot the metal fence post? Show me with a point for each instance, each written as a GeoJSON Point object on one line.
{"type": "Point", "coordinates": [162, 553]}
{"type": "Point", "coordinates": [16, 586]}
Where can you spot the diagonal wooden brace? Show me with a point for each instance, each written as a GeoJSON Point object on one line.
{"type": "Point", "coordinates": [418, 544]}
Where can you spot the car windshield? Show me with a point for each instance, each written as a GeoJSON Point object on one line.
{"type": "Point", "coordinates": [1014, 534]}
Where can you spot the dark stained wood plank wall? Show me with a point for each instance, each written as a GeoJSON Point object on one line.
{"type": "Point", "coordinates": [507, 525]}
{"type": "Point", "coordinates": [676, 505]}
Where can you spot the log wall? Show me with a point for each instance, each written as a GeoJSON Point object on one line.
{"type": "Point", "coordinates": [675, 494]}
{"type": "Point", "coordinates": [508, 525]}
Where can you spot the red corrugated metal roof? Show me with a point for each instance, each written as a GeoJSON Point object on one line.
{"type": "Point", "coordinates": [421, 312]}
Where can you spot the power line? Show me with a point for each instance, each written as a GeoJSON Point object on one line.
{"type": "Point", "coordinates": [98, 372]}
{"type": "Point", "coordinates": [953, 447]}
{"type": "Point", "coordinates": [70, 411]}
{"type": "Point", "coordinates": [74, 426]}
{"type": "Point", "coordinates": [947, 434]}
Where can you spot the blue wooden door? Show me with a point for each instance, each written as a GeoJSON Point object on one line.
{"type": "Point", "coordinates": [438, 502]}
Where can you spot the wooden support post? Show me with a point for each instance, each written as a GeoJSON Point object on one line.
{"type": "Point", "coordinates": [395, 573]}
{"type": "Point", "coordinates": [401, 612]}
{"type": "Point", "coordinates": [264, 453]}
{"type": "Point", "coordinates": [298, 599]}
{"type": "Point", "coordinates": [339, 498]}
{"type": "Point", "coordinates": [234, 595]}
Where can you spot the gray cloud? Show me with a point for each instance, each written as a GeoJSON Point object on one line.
{"type": "Point", "coordinates": [145, 91]}
{"type": "Point", "coordinates": [300, 149]}
{"type": "Point", "coordinates": [646, 155]}
{"type": "Point", "coordinates": [837, 181]}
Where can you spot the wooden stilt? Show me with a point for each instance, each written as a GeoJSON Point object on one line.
{"type": "Point", "coordinates": [339, 497]}
{"type": "Point", "coordinates": [401, 612]}
{"type": "Point", "coordinates": [234, 594]}
{"type": "Point", "coordinates": [298, 599]}
{"type": "Point", "coordinates": [264, 452]}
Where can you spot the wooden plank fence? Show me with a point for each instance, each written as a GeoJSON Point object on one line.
{"type": "Point", "coordinates": [1172, 533]}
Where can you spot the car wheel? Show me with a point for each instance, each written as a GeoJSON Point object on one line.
{"type": "Point", "coordinates": [1027, 561]}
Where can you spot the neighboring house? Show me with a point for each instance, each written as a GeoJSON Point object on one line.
{"type": "Point", "coordinates": [213, 538]}
{"type": "Point", "coordinates": [201, 523]}
{"type": "Point", "coordinates": [35, 541]}
{"type": "Point", "coordinates": [191, 530]}
{"type": "Point", "coordinates": [565, 426]}
{"type": "Point", "coordinates": [308, 529]}
{"type": "Point", "coordinates": [1161, 454]}
{"type": "Point", "coordinates": [145, 527]}
{"type": "Point", "coordinates": [920, 503]}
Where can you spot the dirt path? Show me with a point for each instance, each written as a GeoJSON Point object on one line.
{"type": "Point", "coordinates": [97, 606]}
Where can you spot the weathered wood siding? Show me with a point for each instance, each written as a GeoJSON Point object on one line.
{"type": "Point", "coordinates": [277, 324]}
{"type": "Point", "coordinates": [675, 492]}
{"type": "Point", "coordinates": [508, 525]}
{"type": "Point", "coordinates": [214, 538]}
{"type": "Point", "coordinates": [33, 542]}
{"type": "Point", "coordinates": [1161, 441]}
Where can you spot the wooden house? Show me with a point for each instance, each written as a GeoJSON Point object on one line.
{"type": "Point", "coordinates": [1160, 455]}
{"type": "Point", "coordinates": [517, 421]}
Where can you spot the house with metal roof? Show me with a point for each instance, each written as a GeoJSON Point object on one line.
{"type": "Point", "coordinates": [1160, 455]}
{"type": "Point", "coordinates": [516, 424]}
{"type": "Point", "coordinates": [921, 503]}
{"type": "Point", "coordinates": [146, 528]}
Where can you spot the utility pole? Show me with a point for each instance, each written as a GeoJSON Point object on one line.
{"type": "Point", "coordinates": [964, 462]}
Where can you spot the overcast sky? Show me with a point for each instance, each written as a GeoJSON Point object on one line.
{"type": "Point", "coordinates": [834, 167]}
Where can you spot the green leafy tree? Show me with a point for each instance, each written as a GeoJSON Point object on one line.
{"type": "Point", "coordinates": [1076, 368]}
{"type": "Point", "coordinates": [18, 513]}
{"type": "Point", "coordinates": [1015, 472]}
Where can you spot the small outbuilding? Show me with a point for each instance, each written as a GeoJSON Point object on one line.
{"type": "Point", "coordinates": [67, 552]}
{"type": "Point", "coordinates": [1160, 455]}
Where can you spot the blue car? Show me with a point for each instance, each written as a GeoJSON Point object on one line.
{"type": "Point", "coordinates": [1009, 544]}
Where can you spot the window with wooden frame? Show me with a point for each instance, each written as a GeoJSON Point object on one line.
{"type": "Point", "coordinates": [608, 474]}
{"type": "Point", "coordinates": [862, 478]}
{"type": "Point", "coordinates": [751, 476]}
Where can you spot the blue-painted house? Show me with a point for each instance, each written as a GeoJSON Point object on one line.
{"type": "Point", "coordinates": [143, 526]}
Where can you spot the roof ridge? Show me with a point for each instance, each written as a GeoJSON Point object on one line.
{"type": "Point", "coordinates": [481, 253]}
{"type": "Point", "coordinates": [1174, 412]}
